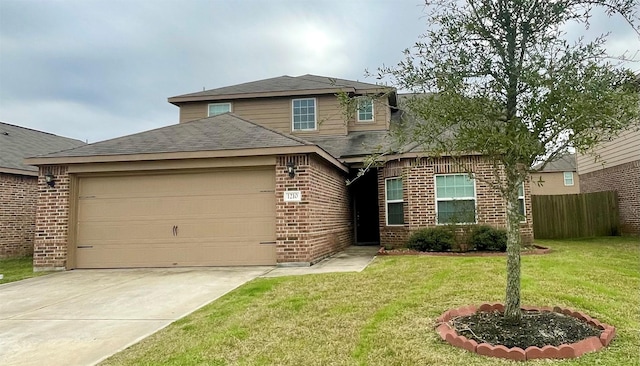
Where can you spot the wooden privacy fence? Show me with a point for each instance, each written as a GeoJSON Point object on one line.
{"type": "Point", "coordinates": [575, 215]}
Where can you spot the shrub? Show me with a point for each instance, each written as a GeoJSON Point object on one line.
{"type": "Point", "coordinates": [438, 239]}
{"type": "Point", "coordinates": [487, 238]}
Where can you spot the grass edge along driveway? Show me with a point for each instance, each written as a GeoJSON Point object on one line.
{"type": "Point", "coordinates": [16, 269]}
{"type": "Point", "coordinates": [385, 315]}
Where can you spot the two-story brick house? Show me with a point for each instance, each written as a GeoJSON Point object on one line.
{"type": "Point", "coordinates": [253, 174]}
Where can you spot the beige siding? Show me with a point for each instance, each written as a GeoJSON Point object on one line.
{"type": "Point", "coordinates": [193, 111]}
{"type": "Point", "coordinates": [380, 120]}
{"type": "Point", "coordinates": [624, 149]}
{"type": "Point", "coordinates": [276, 113]}
{"type": "Point", "coordinates": [553, 183]}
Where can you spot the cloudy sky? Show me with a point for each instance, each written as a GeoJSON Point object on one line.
{"type": "Point", "coordinates": [98, 69]}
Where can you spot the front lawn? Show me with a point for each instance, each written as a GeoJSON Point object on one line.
{"type": "Point", "coordinates": [16, 269]}
{"type": "Point", "coordinates": [386, 314]}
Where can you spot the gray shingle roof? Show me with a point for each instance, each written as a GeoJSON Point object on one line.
{"type": "Point", "coordinates": [222, 132]}
{"type": "Point", "coordinates": [18, 143]}
{"type": "Point", "coordinates": [354, 144]}
{"type": "Point", "coordinates": [284, 84]}
{"type": "Point", "coordinates": [564, 163]}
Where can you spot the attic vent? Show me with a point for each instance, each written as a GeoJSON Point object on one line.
{"type": "Point", "coordinates": [6, 133]}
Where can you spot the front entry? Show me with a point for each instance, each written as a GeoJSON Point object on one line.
{"type": "Point", "coordinates": [364, 192]}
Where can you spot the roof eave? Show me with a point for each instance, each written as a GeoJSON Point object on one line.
{"type": "Point", "coordinates": [32, 173]}
{"type": "Point", "coordinates": [39, 161]}
{"type": "Point", "coordinates": [177, 100]}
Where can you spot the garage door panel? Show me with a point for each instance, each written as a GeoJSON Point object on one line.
{"type": "Point", "coordinates": [178, 184]}
{"type": "Point", "coordinates": [169, 255]}
{"type": "Point", "coordinates": [247, 205]}
{"type": "Point", "coordinates": [221, 218]}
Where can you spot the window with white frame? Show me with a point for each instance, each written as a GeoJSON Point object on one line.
{"type": "Point", "coordinates": [455, 199]}
{"type": "Point", "coordinates": [365, 110]}
{"type": "Point", "coordinates": [521, 209]}
{"type": "Point", "coordinates": [219, 108]}
{"type": "Point", "coordinates": [394, 201]}
{"type": "Point", "coordinates": [568, 178]}
{"type": "Point", "coordinates": [304, 114]}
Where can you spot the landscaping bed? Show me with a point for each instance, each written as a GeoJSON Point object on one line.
{"type": "Point", "coordinates": [541, 333]}
{"type": "Point", "coordinates": [527, 250]}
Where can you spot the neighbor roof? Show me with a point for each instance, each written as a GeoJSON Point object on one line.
{"type": "Point", "coordinates": [17, 143]}
{"type": "Point", "coordinates": [564, 163]}
{"type": "Point", "coordinates": [282, 86]}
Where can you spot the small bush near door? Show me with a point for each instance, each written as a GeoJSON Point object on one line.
{"type": "Point", "coordinates": [456, 238]}
{"type": "Point", "coordinates": [438, 239]}
{"type": "Point", "coordinates": [487, 238]}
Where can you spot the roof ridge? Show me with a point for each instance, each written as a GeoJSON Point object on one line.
{"type": "Point", "coordinates": [297, 139]}
{"type": "Point", "coordinates": [34, 130]}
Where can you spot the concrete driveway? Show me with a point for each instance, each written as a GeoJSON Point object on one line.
{"type": "Point", "coordinates": [81, 317]}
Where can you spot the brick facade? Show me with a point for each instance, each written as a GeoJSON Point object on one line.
{"type": "Point", "coordinates": [624, 179]}
{"type": "Point", "coordinates": [418, 176]}
{"type": "Point", "coordinates": [52, 220]}
{"type": "Point", "coordinates": [321, 223]}
{"type": "Point", "coordinates": [18, 195]}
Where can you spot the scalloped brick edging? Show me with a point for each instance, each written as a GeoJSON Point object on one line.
{"type": "Point", "coordinates": [539, 249]}
{"type": "Point", "coordinates": [573, 350]}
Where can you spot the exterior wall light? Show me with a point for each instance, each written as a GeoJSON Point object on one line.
{"type": "Point", "coordinates": [49, 179]}
{"type": "Point", "coordinates": [291, 169]}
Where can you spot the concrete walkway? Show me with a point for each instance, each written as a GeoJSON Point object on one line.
{"type": "Point", "coordinates": [352, 259]}
{"type": "Point", "coordinates": [82, 317]}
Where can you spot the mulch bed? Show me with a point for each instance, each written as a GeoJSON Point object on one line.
{"type": "Point", "coordinates": [537, 328]}
{"type": "Point", "coordinates": [535, 249]}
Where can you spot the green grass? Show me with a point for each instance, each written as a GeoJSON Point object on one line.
{"type": "Point", "coordinates": [16, 269]}
{"type": "Point", "coordinates": [386, 314]}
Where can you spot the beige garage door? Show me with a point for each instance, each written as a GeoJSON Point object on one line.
{"type": "Point", "coordinates": [217, 218]}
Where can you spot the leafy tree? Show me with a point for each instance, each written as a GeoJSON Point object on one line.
{"type": "Point", "coordinates": [497, 77]}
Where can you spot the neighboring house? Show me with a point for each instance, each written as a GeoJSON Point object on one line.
{"type": "Point", "coordinates": [254, 174]}
{"type": "Point", "coordinates": [19, 185]}
{"type": "Point", "coordinates": [557, 177]}
{"type": "Point", "coordinates": [616, 167]}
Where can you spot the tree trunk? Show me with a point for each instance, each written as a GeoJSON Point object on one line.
{"type": "Point", "coordinates": [512, 310]}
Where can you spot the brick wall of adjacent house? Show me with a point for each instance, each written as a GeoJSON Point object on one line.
{"type": "Point", "coordinates": [419, 196]}
{"type": "Point", "coordinates": [320, 224]}
{"type": "Point", "coordinates": [18, 195]}
{"type": "Point", "coordinates": [624, 179]}
{"type": "Point", "coordinates": [52, 220]}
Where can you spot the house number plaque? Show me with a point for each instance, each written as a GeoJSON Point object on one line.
{"type": "Point", "coordinates": [292, 196]}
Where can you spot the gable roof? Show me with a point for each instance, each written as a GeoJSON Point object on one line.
{"type": "Point", "coordinates": [282, 86]}
{"type": "Point", "coordinates": [217, 136]}
{"type": "Point", "coordinates": [17, 143]}
{"type": "Point", "coordinates": [222, 132]}
{"type": "Point", "coordinates": [564, 163]}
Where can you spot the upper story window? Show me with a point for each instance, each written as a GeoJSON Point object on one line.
{"type": "Point", "coordinates": [394, 201]}
{"type": "Point", "coordinates": [455, 199]}
{"type": "Point", "coordinates": [568, 178]}
{"type": "Point", "coordinates": [219, 108]}
{"type": "Point", "coordinates": [365, 110]}
{"type": "Point", "coordinates": [304, 114]}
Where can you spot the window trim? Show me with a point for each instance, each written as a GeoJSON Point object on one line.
{"type": "Point", "coordinates": [315, 115]}
{"type": "Point", "coordinates": [387, 201]}
{"type": "Point", "coordinates": [373, 113]}
{"type": "Point", "coordinates": [564, 176]}
{"type": "Point", "coordinates": [524, 204]}
{"type": "Point", "coordinates": [436, 199]}
{"type": "Point", "coordinates": [211, 104]}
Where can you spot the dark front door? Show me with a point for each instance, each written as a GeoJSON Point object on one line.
{"type": "Point", "coordinates": [365, 207]}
